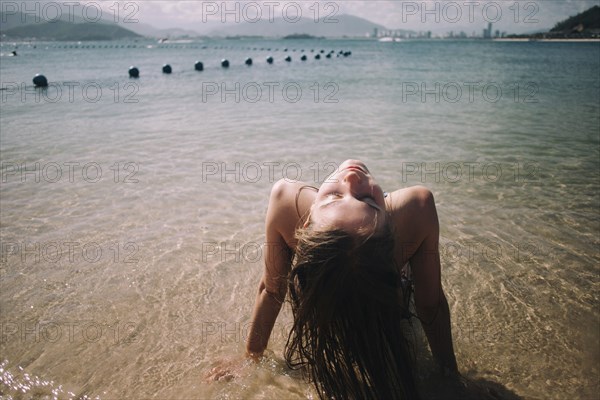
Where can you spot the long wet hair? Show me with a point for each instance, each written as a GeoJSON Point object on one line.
{"type": "Point", "coordinates": [348, 307]}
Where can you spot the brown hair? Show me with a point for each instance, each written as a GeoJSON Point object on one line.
{"type": "Point", "coordinates": [348, 305]}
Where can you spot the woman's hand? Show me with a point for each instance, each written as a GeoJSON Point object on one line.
{"type": "Point", "coordinates": [228, 369]}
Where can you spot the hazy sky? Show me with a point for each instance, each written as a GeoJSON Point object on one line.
{"type": "Point", "coordinates": [438, 16]}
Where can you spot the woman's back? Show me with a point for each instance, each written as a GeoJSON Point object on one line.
{"type": "Point", "coordinates": [339, 250]}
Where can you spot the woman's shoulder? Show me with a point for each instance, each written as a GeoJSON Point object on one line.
{"type": "Point", "coordinates": [400, 199]}
{"type": "Point", "coordinates": [409, 209]}
{"type": "Point", "coordinates": [288, 195]}
{"type": "Point", "coordinates": [413, 215]}
{"type": "Point", "coordinates": [289, 205]}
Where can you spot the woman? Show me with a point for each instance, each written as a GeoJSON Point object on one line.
{"type": "Point", "coordinates": [339, 251]}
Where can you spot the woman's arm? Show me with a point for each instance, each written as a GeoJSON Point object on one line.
{"type": "Point", "coordinates": [280, 225]}
{"type": "Point", "coordinates": [417, 240]}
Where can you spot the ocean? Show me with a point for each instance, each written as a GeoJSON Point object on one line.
{"type": "Point", "coordinates": [132, 210]}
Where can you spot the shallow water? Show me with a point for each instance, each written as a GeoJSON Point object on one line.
{"type": "Point", "coordinates": [131, 249]}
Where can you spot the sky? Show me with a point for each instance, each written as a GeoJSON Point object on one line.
{"type": "Point", "coordinates": [438, 16]}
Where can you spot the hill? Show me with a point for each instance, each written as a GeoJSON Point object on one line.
{"type": "Point", "coordinates": [10, 20]}
{"type": "Point", "coordinates": [586, 21]}
{"type": "Point", "coordinates": [152, 32]}
{"type": "Point", "coordinates": [19, 26]}
{"type": "Point", "coordinates": [340, 26]}
{"type": "Point", "coordinates": [66, 31]}
{"type": "Point", "coordinates": [585, 25]}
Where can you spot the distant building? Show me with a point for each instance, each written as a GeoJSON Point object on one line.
{"type": "Point", "coordinates": [375, 32]}
{"type": "Point", "coordinates": [487, 33]}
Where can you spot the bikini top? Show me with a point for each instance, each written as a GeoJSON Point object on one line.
{"type": "Point", "coordinates": [298, 196]}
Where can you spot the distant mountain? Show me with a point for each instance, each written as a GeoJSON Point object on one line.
{"type": "Point", "coordinates": [13, 20]}
{"type": "Point", "coordinates": [16, 19]}
{"type": "Point", "coordinates": [586, 21]}
{"type": "Point", "coordinates": [585, 25]}
{"type": "Point", "coordinates": [152, 32]}
{"type": "Point", "coordinates": [19, 25]}
{"type": "Point", "coordinates": [339, 26]}
{"type": "Point", "coordinates": [60, 30]}
{"type": "Point", "coordinates": [67, 27]}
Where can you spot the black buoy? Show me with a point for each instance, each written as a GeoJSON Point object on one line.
{"type": "Point", "coordinates": [40, 80]}
{"type": "Point", "coordinates": [312, 50]}
{"type": "Point", "coordinates": [285, 49]}
{"type": "Point", "coordinates": [318, 57]}
{"type": "Point", "coordinates": [199, 66]}
{"type": "Point", "coordinates": [288, 59]}
{"type": "Point", "coordinates": [167, 69]}
{"type": "Point", "coordinates": [270, 60]}
{"type": "Point", "coordinates": [322, 51]}
{"type": "Point", "coordinates": [347, 53]}
{"type": "Point", "coordinates": [14, 53]}
{"type": "Point", "coordinates": [225, 63]}
{"type": "Point", "coordinates": [303, 58]}
{"type": "Point", "coordinates": [134, 72]}
{"type": "Point", "coordinates": [328, 55]}
{"type": "Point", "coordinates": [248, 61]}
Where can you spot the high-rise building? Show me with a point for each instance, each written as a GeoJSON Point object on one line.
{"type": "Point", "coordinates": [487, 33]}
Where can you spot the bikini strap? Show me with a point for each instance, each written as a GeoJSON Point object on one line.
{"type": "Point", "coordinates": [298, 196]}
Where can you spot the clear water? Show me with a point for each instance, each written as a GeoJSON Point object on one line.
{"type": "Point", "coordinates": [133, 272]}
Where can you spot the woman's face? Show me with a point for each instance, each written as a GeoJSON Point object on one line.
{"type": "Point", "coordinates": [349, 200]}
